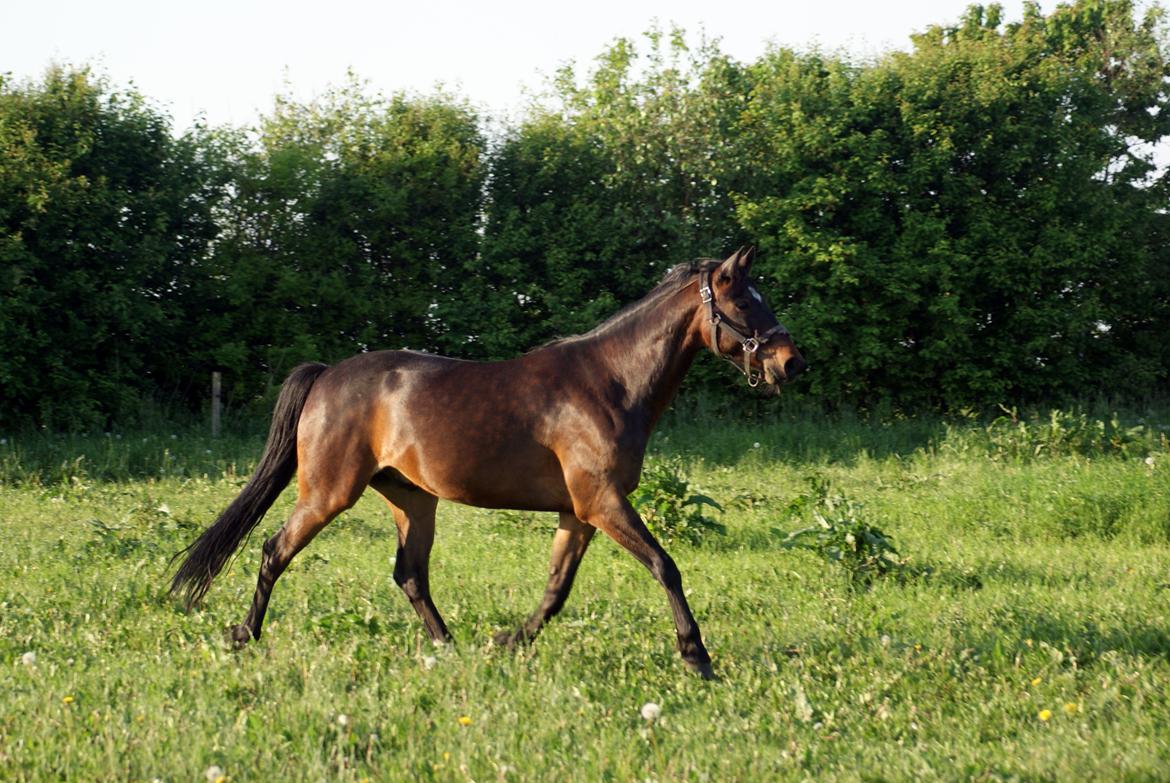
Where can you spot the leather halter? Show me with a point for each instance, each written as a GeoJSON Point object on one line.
{"type": "Point", "coordinates": [718, 320]}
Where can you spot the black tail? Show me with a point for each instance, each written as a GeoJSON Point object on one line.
{"type": "Point", "coordinates": [207, 555]}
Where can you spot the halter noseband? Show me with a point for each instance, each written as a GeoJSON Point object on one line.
{"type": "Point", "coordinates": [718, 319]}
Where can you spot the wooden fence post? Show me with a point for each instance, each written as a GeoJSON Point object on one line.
{"type": "Point", "coordinates": [216, 403]}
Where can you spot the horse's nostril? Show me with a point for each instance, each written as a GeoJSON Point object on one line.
{"type": "Point", "coordinates": [794, 366]}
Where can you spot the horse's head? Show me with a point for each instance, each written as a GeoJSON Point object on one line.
{"type": "Point", "coordinates": [740, 326]}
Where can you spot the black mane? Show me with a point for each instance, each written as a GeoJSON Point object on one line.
{"type": "Point", "coordinates": [674, 278]}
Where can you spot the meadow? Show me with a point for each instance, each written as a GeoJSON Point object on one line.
{"type": "Point", "coordinates": [1022, 634]}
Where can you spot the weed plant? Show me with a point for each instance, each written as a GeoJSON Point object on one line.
{"type": "Point", "coordinates": [842, 534]}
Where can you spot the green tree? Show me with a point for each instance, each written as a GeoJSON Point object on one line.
{"type": "Point", "coordinates": [101, 211]}
{"type": "Point", "coordinates": [605, 184]}
{"type": "Point", "coordinates": [351, 221]}
{"type": "Point", "coordinates": [972, 221]}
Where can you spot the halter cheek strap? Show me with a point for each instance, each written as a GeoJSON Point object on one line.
{"type": "Point", "coordinates": [718, 320]}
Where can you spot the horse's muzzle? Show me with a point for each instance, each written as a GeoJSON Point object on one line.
{"type": "Point", "coordinates": [784, 369]}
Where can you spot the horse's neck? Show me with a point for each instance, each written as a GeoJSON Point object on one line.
{"type": "Point", "coordinates": [652, 351]}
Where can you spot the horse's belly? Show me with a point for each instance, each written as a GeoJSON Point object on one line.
{"type": "Point", "coordinates": [527, 479]}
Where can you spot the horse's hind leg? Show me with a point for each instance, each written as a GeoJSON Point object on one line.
{"type": "Point", "coordinates": [569, 545]}
{"type": "Point", "coordinates": [414, 514]}
{"type": "Point", "coordinates": [314, 510]}
{"type": "Point", "coordinates": [279, 550]}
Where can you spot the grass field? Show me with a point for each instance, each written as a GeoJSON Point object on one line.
{"type": "Point", "coordinates": [1028, 637]}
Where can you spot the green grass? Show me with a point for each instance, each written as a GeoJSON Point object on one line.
{"type": "Point", "coordinates": [1040, 587]}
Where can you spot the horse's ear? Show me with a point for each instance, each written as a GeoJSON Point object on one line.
{"type": "Point", "coordinates": [744, 257]}
{"type": "Point", "coordinates": [738, 266]}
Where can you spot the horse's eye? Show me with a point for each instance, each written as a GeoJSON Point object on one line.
{"type": "Point", "coordinates": [743, 303]}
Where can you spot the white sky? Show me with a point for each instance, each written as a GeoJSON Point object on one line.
{"type": "Point", "coordinates": [227, 60]}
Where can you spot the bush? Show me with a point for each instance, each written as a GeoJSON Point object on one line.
{"type": "Point", "coordinates": [1015, 437]}
{"type": "Point", "coordinates": [669, 508]}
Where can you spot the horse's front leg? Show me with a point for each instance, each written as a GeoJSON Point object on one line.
{"type": "Point", "coordinates": [606, 508]}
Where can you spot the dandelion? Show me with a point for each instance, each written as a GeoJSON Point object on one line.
{"type": "Point", "coordinates": [756, 445]}
{"type": "Point", "coordinates": [464, 720]}
{"type": "Point", "coordinates": [1071, 708]}
{"type": "Point", "coordinates": [67, 699]}
{"type": "Point", "coordinates": [343, 720]}
{"type": "Point", "coordinates": [429, 662]}
{"type": "Point", "coordinates": [1044, 715]}
{"type": "Point", "coordinates": [1037, 681]}
{"type": "Point", "coordinates": [29, 658]}
{"type": "Point", "coordinates": [215, 774]}
{"type": "Point", "coordinates": [651, 711]}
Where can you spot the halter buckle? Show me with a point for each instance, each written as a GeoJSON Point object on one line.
{"type": "Point", "coordinates": [751, 345]}
{"type": "Point", "coordinates": [705, 294]}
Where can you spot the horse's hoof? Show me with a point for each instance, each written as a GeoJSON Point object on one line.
{"type": "Point", "coordinates": [505, 639]}
{"type": "Point", "coordinates": [702, 668]}
{"type": "Point", "coordinates": [510, 639]}
{"type": "Point", "coordinates": [239, 636]}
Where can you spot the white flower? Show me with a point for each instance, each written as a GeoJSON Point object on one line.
{"type": "Point", "coordinates": [343, 720]}
{"type": "Point", "coordinates": [651, 711]}
{"type": "Point", "coordinates": [214, 774]}
{"type": "Point", "coordinates": [29, 658]}
{"type": "Point", "coordinates": [1150, 461]}
{"type": "Point", "coordinates": [756, 445]}
{"type": "Point", "coordinates": [429, 662]}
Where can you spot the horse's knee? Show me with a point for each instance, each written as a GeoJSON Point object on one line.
{"type": "Point", "coordinates": [666, 572]}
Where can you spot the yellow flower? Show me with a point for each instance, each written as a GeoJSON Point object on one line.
{"type": "Point", "coordinates": [1044, 714]}
{"type": "Point", "coordinates": [1071, 708]}
{"type": "Point", "coordinates": [1037, 681]}
{"type": "Point", "coordinates": [464, 720]}
{"type": "Point", "coordinates": [67, 700]}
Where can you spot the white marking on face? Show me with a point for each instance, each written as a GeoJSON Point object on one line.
{"type": "Point", "coordinates": [752, 290]}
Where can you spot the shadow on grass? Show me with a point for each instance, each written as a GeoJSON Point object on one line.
{"type": "Point", "coordinates": [815, 438]}
{"type": "Point", "coordinates": [1080, 640]}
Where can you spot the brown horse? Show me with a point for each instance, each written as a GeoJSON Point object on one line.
{"type": "Point", "coordinates": [563, 428]}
